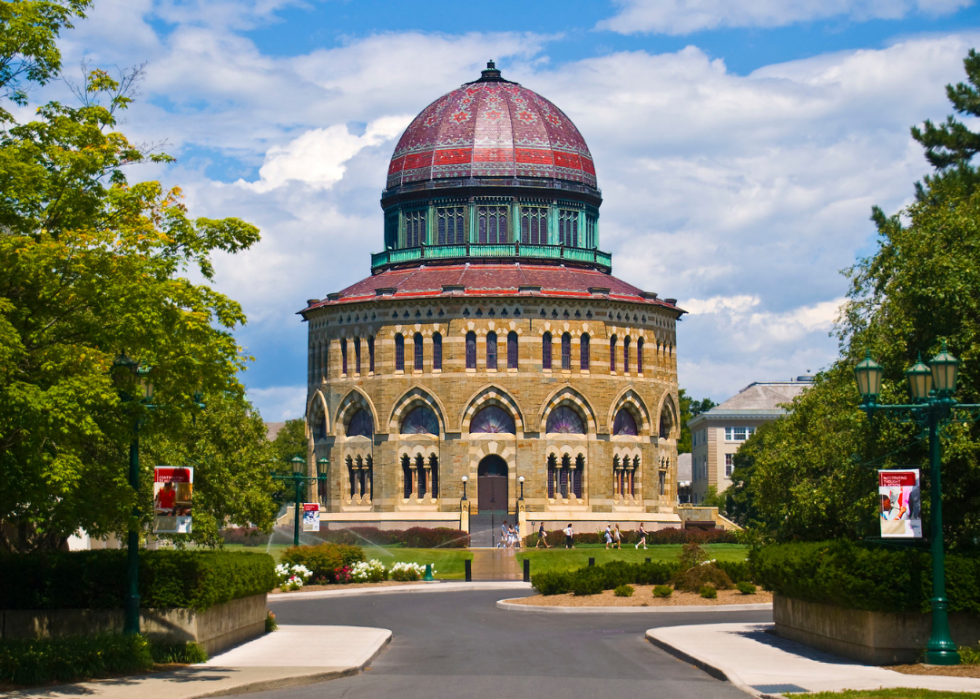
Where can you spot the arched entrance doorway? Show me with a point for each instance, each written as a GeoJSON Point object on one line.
{"type": "Point", "coordinates": [492, 485]}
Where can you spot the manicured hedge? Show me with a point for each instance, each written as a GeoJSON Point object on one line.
{"type": "Point", "coordinates": [416, 537]}
{"type": "Point", "coordinates": [39, 661]}
{"type": "Point", "coordinates": [323, 560]}
{"type": "Point", "coordinates": [857, 576]}
{"type": "Point", "coordinates": [593, 579]}
{"type": "Point", "coordinates": [673, 535]}
{"type": "Point", "coordinates": [97, 579]}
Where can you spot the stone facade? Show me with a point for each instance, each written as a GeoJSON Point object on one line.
{"type": "Point", "coordinates": [528, 394]}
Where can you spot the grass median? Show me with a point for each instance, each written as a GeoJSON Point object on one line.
{"type": "Point", "coordinates": [572, 559]}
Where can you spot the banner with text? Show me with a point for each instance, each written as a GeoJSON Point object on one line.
{"type": "Point", "coordinates": [900, 503]}
{"type": "Point", "coordinates": [311, 516]}
{"type": "Point", "coordinates": [173, 490]}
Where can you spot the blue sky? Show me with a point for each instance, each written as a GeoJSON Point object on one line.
{"type": "Point", "coordinates": [740, 144]}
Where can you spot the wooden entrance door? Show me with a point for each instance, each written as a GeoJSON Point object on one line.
{"type": "Point", "coordinates": [492, 485]}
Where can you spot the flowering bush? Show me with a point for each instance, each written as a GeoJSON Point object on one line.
{"type": "Point", "coordinates": [291, 577]}
{"type": "Point", "coordinates": [407, 572]}
{"type": "Point", "coordinates": [342, 575]}
{"type": "Point", "coordinates": [369, 571]}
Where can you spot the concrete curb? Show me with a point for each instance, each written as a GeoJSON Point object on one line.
{"type": "Point", "coordinates": [717, 671]}
{"type": "Point", "coordinates": [511, 607]}
{"type": "Point", "coordinates": [295, 680]}
{"type": "Point", "coordinates": [407, 589]}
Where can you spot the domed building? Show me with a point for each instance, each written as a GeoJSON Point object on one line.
{"type": "Point", "coordinates": [491, 366]}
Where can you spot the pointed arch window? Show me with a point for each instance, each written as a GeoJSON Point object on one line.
{"type": "Point", "coordinates": [512, 350]}
{"type": "Point", "coordinates": [639, 356]}
{"type": "Point", "coordinates": [414, 228]}
{"type": "Point", "coordinates": [612, 353]}
{"type": "Point", "coordinates": [419, 349]}
{"type": "Point", "coordinates": [370, 344]}
{"type": "Point", "coordinates": [584, 353]}
{"type": "Point", "coordinates": [566, 351]}
{"type": "Point", "coordinates": [343, 355]}
{"type": "Point", "coordinates": [406, 477]}
{"type": "Point", "coordinates": [493, 420]}
{"type": "Point", "coordinates": [552, 474]}
{"type": "Point", "coordinates": [420, 420]}
{"type": "Point", "coordinates": [357, 355]}
{"type": "Point", "coordinates": [449, 226]}
{"type": "Point", "coordinates": [492, 224]}
{"type": "Point", "coordinates": [625, 423]}
{"type": "Point", "coordinates": [546, 351]}
{"type": "Point", "coordinates": [437, 351]}
{"type": "Point", "coordinates": [626, 354]}
{"type": "Point", "coordinates": [361, 424]}
{"type": "Point", "coordinates": [471, 350]}
{"type": "Point", "coordinates": [563, 474]}
{"type": "Point", "coordinates": [568, 228]}
{"type": "Point", "coordinates": [399, 352]}
{"type": "Point", "coordinates": [577, 476]}
{"type": "Point", "coordinates": [534, 225]}
{"type": "Point", "coordinates": [421, 475]}
{"type": "Point", "coordinates": [434, 474]}
{"type": "Point", "coordinates": [491, 350]}
{"type": "Point", "coordinates": [564, 420]}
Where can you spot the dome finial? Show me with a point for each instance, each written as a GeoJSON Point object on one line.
{"type": "Point", "coordinates": [491, 74]}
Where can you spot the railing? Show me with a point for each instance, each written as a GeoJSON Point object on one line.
{"type": "Point", "coordinates": [381, 260]}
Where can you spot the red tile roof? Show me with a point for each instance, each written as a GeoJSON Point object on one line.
{"type": "Point", "coordinates": [513, 279]}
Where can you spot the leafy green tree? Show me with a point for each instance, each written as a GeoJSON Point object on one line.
{"type": "Point", "coordinates": [690, 408]}
{"type": "Point", "coordinates": [91, 266]}
{"type": "Point", "coordinates": [291, 440]}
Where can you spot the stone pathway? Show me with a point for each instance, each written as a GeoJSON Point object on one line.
{"type": "Point", "coordinates": [495, 564]}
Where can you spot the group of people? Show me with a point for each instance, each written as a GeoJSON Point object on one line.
{"type": "Point", "coordinates": [510, 538]}
{"type": "Point", "coordinates": [613, 537]}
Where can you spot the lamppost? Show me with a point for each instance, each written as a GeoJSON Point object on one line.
{"type": "Point", "coordinates": [465, 479]}
{"type": "Point", "coordinates": [932, 388]}
{"type": "Point", "coordinates": [299, 480]}
{"type": "Point", "coordinates": [133, 383]}
{"type": "Point", "coordinates": [521, 481]}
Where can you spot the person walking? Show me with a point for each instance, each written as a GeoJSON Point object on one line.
{"type": "Point", "coordinates": [608, 536]}
{"type": "Point", "coordinates": [618, 538]}
{"type": "Point", "coordinates": [643, 538]}
{"type": "Point", "coordinates": [542, 537]}
{"type": "Point", "coordinates": [569, 534]}
{"type": "Point", "coordinates": [503, 536]}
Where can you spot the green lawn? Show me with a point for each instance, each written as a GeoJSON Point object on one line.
{"type": "Point", "coordinates": [571, 559]}
{"type": "Point", "coordinates": [890, 694]}
{"type": "Point", "coordinates": [448, 563]}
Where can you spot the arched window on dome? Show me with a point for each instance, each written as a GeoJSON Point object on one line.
{"type": "Point", "coordinates": [492, 224]}
{"type": "Point", "coordinates": [471, 350]}
{"type": "Point", "coordinates": [534, 225]}
{"type": "Point", "coordinates": [414, 228]}
{"type": "Point", "coordinates": [420, 420]}
{"type": "Point", "coordinates": [450, 228]}
{"type": "Point", "coordinates": [419, 349]}
{"type": "Point", "coordinates": [546, 351]}
{"type": "Point", "coordinates": [361, 424]}
{"type": "Point", "coordinates": [493, 420]}
{"type": "Point", "coordinates": [584, 353]}
{"type": "Point", "coordinates": [590, 229]}
{"type": "Point", "coordinates": [566, 351]}
{"type": "Point", "coordinates": [568, 228]}
{"type": "Point", "coordinates": [399, 352]}
{"type": "Point", "coordinates": [564, 420]}
{"type": "Point", "coordinates": [512, 350]}
{"type": "Point", "coordinates": [491, 350]}
{"type": "Point", "coordinates": [625, 423]}
{"type": "Point", "coordinates": [437, 352]}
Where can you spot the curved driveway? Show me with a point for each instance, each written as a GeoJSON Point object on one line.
{"type": "Point", "coordinates": [458, 644]}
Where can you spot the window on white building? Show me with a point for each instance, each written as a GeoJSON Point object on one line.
{"type": "Point", "coordinates": [738, 434]}
{"type": "Point", "coordinates": [729, 465]}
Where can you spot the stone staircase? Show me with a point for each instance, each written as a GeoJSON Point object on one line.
{"type": "Point", "coordinates": [485, 529]}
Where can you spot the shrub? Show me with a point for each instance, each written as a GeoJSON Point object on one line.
{"type": "Point", "coordinates": [270, 622]}
{"type": "Point", "coordinates": [970, 655]}
{"type": "Point", "coordinates": [185, 653]}
{"type": "Point", "coordinates": [655, 572]}
{"type": "Point", "coordinates": [552, 582]}
{"type": "Point", "coordinates": [624, 591]}
{"type": "Point", "coordinates": [369, 571]}
{"type": "Point", "coordinates": [72, 658]}
{"type": "Point", "coordinates": [861, 576]}
{"type": "Point", "coordinates": [587, 581]}
{"type": "Point", "coordinates": [737, 571]}
{"type": "Point", "coordinates": [663, 591]}
{"type": "Point", "coordinates": [251, 536]}
{"type": "Point", "coordinates": [706, 573]}
{"type": "Point", "coordinates": [708, 592]}
{"type": "Point", "coordinates": [323, 559]}
{"type": "Point", "coordinates": [97, 579]}
{"type": "Point", "coordinates": [408, 572]}
{"type": "Point", "coordinates": [617, 573]}
{"type": "Point", "coordinates": [416, 537]}
{"type": "Point", "coordinates": [746, 588]}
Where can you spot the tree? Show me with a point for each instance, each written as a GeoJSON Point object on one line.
{"type": "Point", "coordinates": [690, 408]}
{"type": "Point", "coordinates": [291, 440]}
{"type": "Point", "coordinates": [91, 266]}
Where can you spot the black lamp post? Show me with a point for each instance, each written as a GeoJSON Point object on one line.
{"type": "Point", "coordinates": [933, 406]}
{"type": "Point", "coordinates": [521, 481]}
{"type": "Point", "coordinates": [299, 480]}
{"type": "Point", "coordinates": [133, 384]}
{"type": "Point", "coordinates": [465, 479]}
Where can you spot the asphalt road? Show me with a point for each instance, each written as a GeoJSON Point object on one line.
{"type": "Point", "coordinates": [458, 644]}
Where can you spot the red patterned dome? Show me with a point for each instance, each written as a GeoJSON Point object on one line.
{"type": "Point", "coordinates": [491, 128]}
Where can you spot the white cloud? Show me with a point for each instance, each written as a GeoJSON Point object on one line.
{"type": "Point", "coordinates": [279, 403]}
{"type": "Point", "coordinates": [687, 16]}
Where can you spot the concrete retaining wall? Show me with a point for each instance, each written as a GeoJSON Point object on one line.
{"type": "Point", "coordinates": [876, 638]}
{"type": "Point", "coordinates": [216, 629]}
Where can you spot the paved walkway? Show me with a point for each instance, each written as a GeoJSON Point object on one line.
{"type": "Point", "coordinates": [766, 665]}
{"type": "Point", "coordinates": [495, 564]}
{"type": "Point", "coordinates": [292, 656]}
